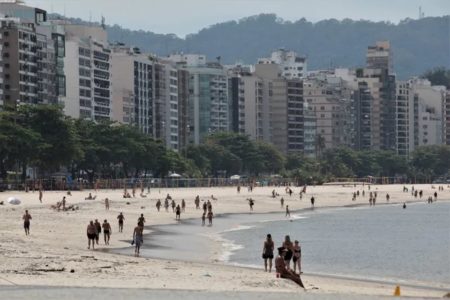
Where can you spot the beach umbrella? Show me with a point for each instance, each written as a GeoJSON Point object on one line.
{"type": "Point", "coordinates": [235, 177]}
{"type": "Point", "coordinates": [174, 175]}
{"type": "Point", "coordinates": [13, 201]}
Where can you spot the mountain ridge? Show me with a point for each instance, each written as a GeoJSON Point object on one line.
{"type": "Point", "coordinates": [418, 45]}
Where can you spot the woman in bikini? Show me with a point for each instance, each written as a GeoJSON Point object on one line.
{"type": "Point", "coordinates": [267, 254]}
{"type": "Point", "coordinates": [287, 244]}
{"type": "Point", "coordinates": [297, 257]}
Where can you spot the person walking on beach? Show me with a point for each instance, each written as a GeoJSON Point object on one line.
{"type": "Point", "coordinates": [91, 232]}
{"type": "Point", "coordinates": [178, 212]}
{"type": "Point", "coordinates": [141, 220]}
{"type": "Point", "coordinates": [40, 194]}
{"type": "Point", "coordinates": [297, 257]}
{"type": "Point", "coordinates": [173, 205]}
{"type": "Point", "coordinates": [183, 205]}
{"type": "Point", "coordinates": [282, 202]}
{"type": "Point", "coordinates": [210, 217]}
{"type": "Point", "coordinates": [106, 203]}
{"type": "Point", "coordinates": [98, 227]}
{"type": "Point", "coordinates": [64, 203]}
{"type": "Point", "coordinates": [312, 201]}
{"type": "Point", "coordinates": [197, 202]}
{"type": "Point", "coordinates": [203, 219]}
{"type": "Point", "coordinates": [267, 253]}
{"type": "Point", "coordinates": [387, 197]}
{"type": "Point", "coordinates": [26, 222]}
{"type": "Point", "coordinates": [158, 205]}
{"type": "Point", "coordinates": [166, 205]}
{"type": "Point", "coordinates": [251, 202]}
{"type": "Point", "coordinates": [106, 231]}
{"type": "Point", "coordinates": [435, 196]}
{"type": "Point", "coordinates": [284, 272]}
{"type": "Point", "coordinates": [138, 238]}
{"type": "Point", "coordinates": [288, 212]}
{"type": "Point", "coordinates": [120, 217]}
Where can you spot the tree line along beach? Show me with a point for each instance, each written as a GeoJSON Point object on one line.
{"type": "Point", "coordinates": [55, 253]}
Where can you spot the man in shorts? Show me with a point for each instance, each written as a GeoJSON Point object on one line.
{"type": "Point", "coordinates": [106, 231]}
{"type": "Point", "coordinates": [120, 217]}
{"type": "Point", "coordinates": [26, 222]}
{"type": "Point", "coordinates": [91, 232]}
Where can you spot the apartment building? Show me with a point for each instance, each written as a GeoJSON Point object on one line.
{"type": "Point", "coordinates": [87, 67]}
{"type": "Point", "coordinates": [209, 109]}
{"type": "Point", "coordinates": [291, 65]}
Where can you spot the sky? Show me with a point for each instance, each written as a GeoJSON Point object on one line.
{"type": "Point", "coordinates": [183, 17]}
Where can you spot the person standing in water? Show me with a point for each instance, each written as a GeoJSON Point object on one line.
{"type": "Point", "coordinates": [267, 253]}
{"type": "Point", "coordinates": [288, 212]}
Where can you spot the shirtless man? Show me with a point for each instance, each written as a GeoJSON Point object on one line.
{"type": "Point", "coordinates": [64, 203]}
{"type": "Point", "coordinates": [197, 202]}
{"type": "Point", "coordinates": [138, 238]}
{"type": "Point", "coordinates": [178, 212]}
{"type": "Point", "coordinates": [91, 232]}
{"type": "Point", "coordinates": [120, 217]}
{"type": "Point", "coordinates": [158, 204]}
{"type": "Point", "coordinates": [210, 217]}
{"type": "Point", "coordinates": [98, 227]}
{"type": "Point", "coordinates": [106, 203]}
{"type": "Point", "coordinates": [288, 212]}
{"type": "Point", "coordinates": [26, 222]}
{"type": "Point", "coordinates": [280, 266]}
{"type": "Point", "coordinates": [141, 220]}
{"type": "Point", "coordinates": [106, 231]}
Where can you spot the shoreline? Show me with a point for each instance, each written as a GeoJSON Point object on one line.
{"type": "Point", "coordinates": [260, 217]}
{"type": "Point", "coordinates": [23, 256]}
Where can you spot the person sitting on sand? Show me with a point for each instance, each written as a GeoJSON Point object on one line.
{"type": "Point", "coordinates": [267, 254]}
{"type": "Point", "coordinates": [91, 234]}
{"type": "Point", "coordinates": [120, 217]}
{"type": "Point", "coordinates": [26, 222]}
{"type": "Point", "coordinates": [213, 198]}
{"type": "Point", "coordinates": [168, 197]}
{"type": "Point", "coordinates": [138, 238]}
{"type": "Point", "coordinates": [69, 193]}
{"type": "Point", "coordinates": [90, 197]}
{"type": "Point", "coordinates": [284, 272]}
{"type": "Point", "coordinates": [106, 231]}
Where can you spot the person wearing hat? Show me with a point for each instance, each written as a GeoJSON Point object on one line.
{"type": "Point", "coordinates": [281, 269]}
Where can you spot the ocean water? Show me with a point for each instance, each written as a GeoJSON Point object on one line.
{"type": "Point", "coordinates": [384, 242]}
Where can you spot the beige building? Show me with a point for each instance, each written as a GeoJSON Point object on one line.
{"type": "Point", "coordinates": [330, 98]}
{"type": "Point", "coordinates": [87, 68]}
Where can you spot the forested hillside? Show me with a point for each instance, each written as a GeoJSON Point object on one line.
{"type": "Point", "coordinates": [418, 45]}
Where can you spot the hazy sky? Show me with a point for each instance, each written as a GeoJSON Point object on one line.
{"type": "Point", "coordinates": [188, 16]}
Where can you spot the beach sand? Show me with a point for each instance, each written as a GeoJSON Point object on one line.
{"type": "Point", "coordinates": [58, 242]}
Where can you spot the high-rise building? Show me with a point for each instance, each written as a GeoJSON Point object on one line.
{"type": "Point", "coordinates": [87, 66]}
{"type": "Point", "coordinates": [330, 99]}
{"type": "Point", "coordinates": [34, 55]}
{"type": "Point", "coordinates": [447, 117]}
{"type": "Point", "coordinates": [132, 87]}
{"type": "Point", "coordinates": [282, 109]}
{"type": "Point", "coordinates": [380, 56]}
{"type": "Point", "coordinates": [208, 100]}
